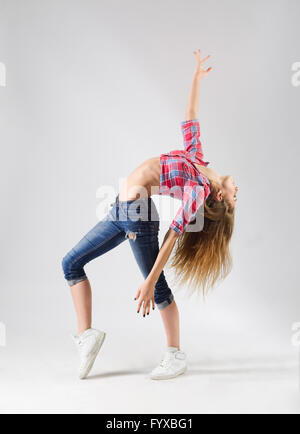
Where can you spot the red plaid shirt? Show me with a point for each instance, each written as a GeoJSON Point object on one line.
{"type": "Point", "coordinates": [181, 179]}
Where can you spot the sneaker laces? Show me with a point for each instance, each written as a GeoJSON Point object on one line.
{"type": "Point", "coordinates": [166, 358]}
{"type": "Point", "coordinates": [76, 339]}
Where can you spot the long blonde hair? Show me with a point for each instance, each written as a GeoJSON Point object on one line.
{"type": "Point", "coordinates": [203, 258]}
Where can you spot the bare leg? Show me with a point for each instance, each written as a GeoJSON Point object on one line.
{"type": "Point", "coordinates": [82, 297]}
{"type": "Point", "coordinates": [170, 317]}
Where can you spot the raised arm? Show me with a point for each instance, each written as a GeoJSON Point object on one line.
{"type": "Point", "coordinates": [193, 99]}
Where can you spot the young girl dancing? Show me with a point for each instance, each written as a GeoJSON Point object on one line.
{"type": "Point", "coordinates": [200, 232]}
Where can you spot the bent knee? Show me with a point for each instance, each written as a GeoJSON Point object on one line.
{"type": "Point", "coordinates": [65, 263]}
{"type": "Point", "coordinates": [73, 272]}
{"type": "Point", "coordinates": [68, 263]}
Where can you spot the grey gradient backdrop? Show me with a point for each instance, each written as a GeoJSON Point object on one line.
{"type": "Point", "coordinates": [96, 87]}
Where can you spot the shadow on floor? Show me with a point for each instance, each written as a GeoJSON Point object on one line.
{"type": "Point", "coordinates": [117, 374]}
{"type": "Point", "coordinates": [241, 366]}
{"type": "Point", "coordinates": [264, 366]}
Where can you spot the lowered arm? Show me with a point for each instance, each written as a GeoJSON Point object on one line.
{"type": "Point", "coordinates": [163, 255]}
{"type": "Point", "coordinates": [145, 292]}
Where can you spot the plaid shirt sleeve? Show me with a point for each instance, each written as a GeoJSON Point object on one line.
{"type": "Point", "coordinates": [191, 133]}
{"type": "Point", "coordinates": [193, 198]}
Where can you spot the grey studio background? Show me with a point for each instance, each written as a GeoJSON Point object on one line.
{"type": "Point", "coordinates": [93, 88]}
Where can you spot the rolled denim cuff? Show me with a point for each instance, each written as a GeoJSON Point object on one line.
{"type": "Point", "coordinates": [77, 280]}
{"type": "Point", "coordinates": [165, 303]}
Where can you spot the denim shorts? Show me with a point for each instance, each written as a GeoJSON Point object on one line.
{"type": "Point", "coordinates": [136, 221]}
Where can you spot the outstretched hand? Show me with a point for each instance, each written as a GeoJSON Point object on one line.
{"type": "Point", "coordinates": [200, 71]}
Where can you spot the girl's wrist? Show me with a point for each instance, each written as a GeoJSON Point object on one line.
{"type": "Point", "coordinates": [151, 279]}
{"type": "Point", "coordinates": [197, 75]}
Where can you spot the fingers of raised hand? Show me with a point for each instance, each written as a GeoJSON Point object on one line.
{"type": "Point", "coordinates": [198, 56]}
{"type": "Point", "coordinates": [208, 70]}
{"type": "Point", "coordinates": [205, 58]}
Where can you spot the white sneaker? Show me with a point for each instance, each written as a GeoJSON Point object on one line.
{"type": "Point", "coordinates": [88, 344]}
{"type": "Point", "coordinates": [172, 364]}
